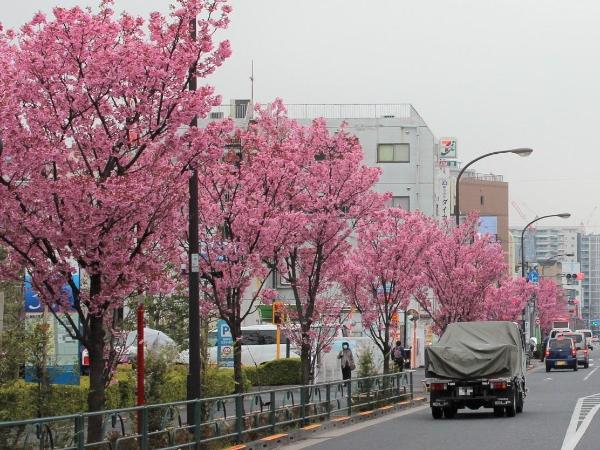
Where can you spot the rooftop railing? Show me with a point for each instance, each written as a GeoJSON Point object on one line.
{"type": "Point", "coordinates": [328, 111]}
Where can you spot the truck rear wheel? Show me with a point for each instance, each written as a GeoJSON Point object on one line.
{"type": "Point", "coordinates": [437, 412]}
{"type": "Point", "coordinates": [511, 410]}
{"type": "Point", "coordinates": [520, 402]}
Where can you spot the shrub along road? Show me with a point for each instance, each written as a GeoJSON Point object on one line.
{"type": "Point", "coordinates": [551, 420]}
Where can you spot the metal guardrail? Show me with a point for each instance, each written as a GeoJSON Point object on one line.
{"type": "Point", "coordinates": [232, 418]}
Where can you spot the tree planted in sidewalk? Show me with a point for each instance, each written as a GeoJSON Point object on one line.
{"type": "Point", "coordinates": [332, 197]}
{"type": "Point", "coordinates": [242, 228]}
{"type": "Point", "coordinates": [550, 302]}
{"type": "Point", "coordinates": [92, 168]}
{"type": "Point", "coordinates": [506, 300]}
{"type": "Point", "coordinates": [386, 268]}
{"type": "Point", "coordinates": [462, 268]}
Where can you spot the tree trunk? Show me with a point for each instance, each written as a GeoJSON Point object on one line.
{"type": "Point", "coordinates": [305, 361]}
{"type": "Point", "coordinates": [386, 349]}
{"type": "Point", "coordinates": [386, 358]}
{"type": "Point", "coordinates": [96, 395]}
{"type": "Point", "coordinates": [236, 334]}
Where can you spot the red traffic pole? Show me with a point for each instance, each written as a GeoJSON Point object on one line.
{"type": "Point", "coordinates": [140, 361]}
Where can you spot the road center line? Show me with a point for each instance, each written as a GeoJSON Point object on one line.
{"type": "Point", "coordinates": [590, 374]}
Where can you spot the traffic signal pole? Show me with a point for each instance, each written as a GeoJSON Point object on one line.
{"type": "Point", "coordinates": [278, 342]}
{"type": "Point", "coordinates": [277, 319]}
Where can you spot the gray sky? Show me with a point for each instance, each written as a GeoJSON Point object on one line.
{"type": "Point", "coordinates": [495, 74]}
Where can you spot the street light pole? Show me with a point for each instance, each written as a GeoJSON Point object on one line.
{"type": "Point", "coordinates": [562, 216]}
{"type": "Point", "coordinates": [516, 151]}
{"type": "Point", "coordinates": [193, 378]}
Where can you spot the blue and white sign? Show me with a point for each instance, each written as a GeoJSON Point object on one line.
{"type": "Point", "coordinates": [224, 345]}
{"type": "Point", "coordinates": [32, 300]}
{"type": "Point", "coordinates": [63, 352]}
{"type": "Point", "coordinates": [533, 276]}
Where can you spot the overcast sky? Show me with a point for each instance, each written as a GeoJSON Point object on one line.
{"type": "Point", "coordinates": [495, 74]}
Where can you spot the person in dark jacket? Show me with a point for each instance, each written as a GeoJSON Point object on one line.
{"type": "Point", "coordinates": [398, 355]}
{"type": "Point", "coordinates": [346, 361]}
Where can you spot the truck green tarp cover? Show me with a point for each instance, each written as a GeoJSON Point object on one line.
{"type": "Point", "coordinates": [471, 350]}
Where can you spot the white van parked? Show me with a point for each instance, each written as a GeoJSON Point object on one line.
{"type": "Point", "coordinates": [258, 346]}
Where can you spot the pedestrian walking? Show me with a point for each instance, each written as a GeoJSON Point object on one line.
{"type": "Point", "coordinates": [398, 355]}
{"type": "Point", "coordinates": [346, 361]}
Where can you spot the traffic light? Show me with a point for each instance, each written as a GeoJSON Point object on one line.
{"type": "Point", "coordinates": [574, 277]}
{"type": "Point", "coordinates": [278, 313]}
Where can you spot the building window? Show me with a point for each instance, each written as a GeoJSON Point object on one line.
{"type": "Point", "coordinates": [402, 202]}
{"type": "Point", "coordinates": [393, 153]}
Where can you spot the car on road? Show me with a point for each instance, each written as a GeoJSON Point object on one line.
{"type": "Point", "coordinates": [595, 339]}
{"type": "Point", "coordinates": [556, 331]}
{"type": "Point", "coordinates": [583, 352]}
{"type": "Point", "coordinates": [588, 335]}
{"type": "Point", "coordinates": [561, 353]}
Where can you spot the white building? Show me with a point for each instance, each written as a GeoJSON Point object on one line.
{"type": "Point", "coordinates": [394, 138]}
{"type": "Point", "coordinates": [548, 243]}
{"type": "Point", "coordinates": [589, 257]}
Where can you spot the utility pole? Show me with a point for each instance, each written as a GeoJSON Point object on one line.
{"type": "Point", "coordinates": [194, 389]}
{"type": "Point", "coordinates": [1, 314]}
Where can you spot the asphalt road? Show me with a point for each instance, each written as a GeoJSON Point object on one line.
{"type": "Point", "coordinates": [553, 418]}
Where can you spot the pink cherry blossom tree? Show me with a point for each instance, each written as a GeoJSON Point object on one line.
{"type": "Point", "coordinates": [92, 165]}
{"type": "Point", "coordinates": [550, 302]}
{"type": "Point", "coordinates": [461, 270]}
{"type": "Point", "coordinates": [243, 228]}
{"type": "Point", "coordinates": [507, 300]}
{"type": "Point", "coordinates": [333, 197]}
{"type": "Point", "coordinates": [386, 268]}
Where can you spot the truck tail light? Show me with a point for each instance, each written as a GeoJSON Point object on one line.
{"type": "Point", "coordinates": [574, 352]}
{"type": "Point", "coordinates": [547, 353]}
{"type": "Point", "coordinates": [437, 387]}
{"type": "Point", "coordinates": [498, 385]}
{"type": "Point", "coordinates": [585, 352]}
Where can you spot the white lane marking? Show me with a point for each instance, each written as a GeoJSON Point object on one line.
{"type": "Point", "coordinates": [590, 374]}
{"type": "Point", "coordinates": [547, 379]}
{"type": "Point", "coordinates": [585, 410]}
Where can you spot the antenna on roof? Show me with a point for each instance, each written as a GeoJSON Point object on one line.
{"type": "Point", "coordinates": [252, 84]}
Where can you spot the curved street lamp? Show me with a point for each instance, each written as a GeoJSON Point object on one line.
{"type": "Point", "coordinates": [561, 215]}
{"type": "Point", "coordinates": [517, 151]}
{"type": "Point", "coordinates": [525, 309]}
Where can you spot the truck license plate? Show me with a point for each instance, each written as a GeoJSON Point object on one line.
{"type": "Point", "coordinates": [561, 363]}
{"type": "Point", "coordinates": [465, 391]}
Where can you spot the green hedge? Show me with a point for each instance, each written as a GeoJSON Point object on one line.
{"type": "Point", "coordinates": [218, 382]}
{"type": "Point", "coordinates": [275, 373]}
{"type": "Point", "coordinates": [19, 400]}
